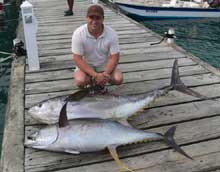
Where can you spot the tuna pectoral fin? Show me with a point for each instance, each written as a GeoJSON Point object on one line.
{"type": "Point", "coordinates": [63, 121]}
{"type": "Point", "coordinates": [114, 154]}
{"type": "Point", "coordinates": [177, 84]}
{"type": "Point", "coordinates": [168, 137]}
{"type": "Point", "coordinates": [125, 122]}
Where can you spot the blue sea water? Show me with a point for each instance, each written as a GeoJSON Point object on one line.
{"type": "Point", "coordinates": [7, 34]}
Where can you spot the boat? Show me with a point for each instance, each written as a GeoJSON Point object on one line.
{"type": "Point", "coordinates": [1, 7]}
{"type": "Point", "coordinates": [174, 9]}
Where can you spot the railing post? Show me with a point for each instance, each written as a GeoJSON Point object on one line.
{"type": "Point", "coordinates": [95, 1]}
{"type": "Point", "coordinates": [30, 31]}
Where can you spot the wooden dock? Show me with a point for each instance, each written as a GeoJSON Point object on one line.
{"type": "Point", "coordinates": [145, 68]}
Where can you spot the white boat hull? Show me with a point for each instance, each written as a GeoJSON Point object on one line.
{"type": "Point", "coordinates": [168, 12]}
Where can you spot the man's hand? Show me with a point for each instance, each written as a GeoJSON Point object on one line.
{"type": "Point", "coordinates": [100, 79]}
{"type": "Point", "coordinates": [107, 77]}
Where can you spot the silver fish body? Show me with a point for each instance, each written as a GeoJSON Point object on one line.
{"type": "Point", "coordinates": [92, 106]}
{"type": "Point", "coordinates": [87, 135]}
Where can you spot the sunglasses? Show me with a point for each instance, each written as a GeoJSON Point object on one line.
{"type": "Point", "coordinates": [95, 17]}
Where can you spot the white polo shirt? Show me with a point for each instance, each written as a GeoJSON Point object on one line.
{"type": "Point", "coordinates": [95, 51]}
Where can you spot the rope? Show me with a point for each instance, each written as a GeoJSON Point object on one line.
{"type": "Point", "coordinates": [155, 43]}
{"type": "Point", "coordinates": [4, 59]}
{"type": "Point", "coordinates": [2, 52]}
{"type": "Point", "coordinates": [5, 5]}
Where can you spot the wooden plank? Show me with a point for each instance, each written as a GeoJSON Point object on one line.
{"type": "Point", "coordinates": [34, 88]}
{"type": "Point", "coordinates": [116, 26]}
{"type": "Point", "coordinates": [108, 20]}
{"type": "Point", "coordinates": [170, 101]}
{"type": "Point", "coordinates": [12, 158]}
{"type": "Point", "coordinates": [130, 67]}
{"type": "Point", "coordinates": [78, 14]}
{"type": "Point", "coordinates": [76, 19]}
{"type": "Point", "coordinates": [65, 39]}
{"type": "Point", "coordinates": [127, 45]}
{"type": "Point", "coordinates": [200, 81]}
{"type": "Point", "coordinates": [206, 153]}
{"type": "Point", "coordinates": [70, 31]}
{"type": "Point", "coordinates": [141, 44]}
{"type": "Point", "coordinates": [187, 133]}
{"type": "Point", "coordinates": [81, 16]}
{"type": "Point", "coordinates": [157, 116]}
{"type": "Point", "coordinates": [132, 50]}
{"type": "Point", "coordinates": [113, 22]}
{"type": "Point", "coordinates": [197, 119]}
{"type": "Point", "coordinates": [178, 113]}
{"type": "Point", "coordinates": [66, 43]}
{"type": "Point", "coordinates": [54, 36]}
{"type": "Point", "coordinates": [71, 28]}
{"type": "Point", "coordinates": [36, 98]}
{"type": "Point", "coordinates": [66, 61]}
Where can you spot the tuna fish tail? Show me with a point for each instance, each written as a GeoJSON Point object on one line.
{"type": "Point", "coordinates": [169, 139]}
{"type": "Point", "coordinates": [177, 84]}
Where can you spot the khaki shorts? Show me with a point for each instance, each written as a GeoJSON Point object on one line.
{"type": "Point", "coordinates": [97, 69]}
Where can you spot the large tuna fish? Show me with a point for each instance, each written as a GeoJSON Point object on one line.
{"type": "Point", "coordinates": [91, 135]}
{"type": "Point", "coordinates": [107, 106]}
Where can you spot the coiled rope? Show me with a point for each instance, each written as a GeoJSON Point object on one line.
{"type": "Point", "coordinates": [11, 55]}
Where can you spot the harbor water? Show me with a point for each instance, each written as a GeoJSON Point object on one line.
{"type": "Point", "coordinates": [8, 27]}
{"type": "Point", "coordinates": [200, 37]}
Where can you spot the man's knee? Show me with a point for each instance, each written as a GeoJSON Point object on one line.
{"type": "Point", "coordinates": [80, 82]}
{"type": "Point", "coordinates": [81, 79]}
{"type": "Point", "coordinates": [117, 77]}
{"type": "Point", "coordinates": [118, 80]}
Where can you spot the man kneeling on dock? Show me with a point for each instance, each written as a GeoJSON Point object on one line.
{"type": "Point", "coordinates": [95, 50]}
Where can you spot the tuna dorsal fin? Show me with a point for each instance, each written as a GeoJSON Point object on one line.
{"type": "Point", "coordinates": [63, 121]}
{"type": "Point", "coordinates": [175, 79]}
{"type": "Point", "coordinates": [78, 95]}
{"type": "Point", "coordinates": [177, 84]}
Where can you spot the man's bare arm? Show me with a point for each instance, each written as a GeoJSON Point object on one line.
{"type": "Point", "coordinates": [84, 66]}
{"type": "Point", "coordinates": [112, 63]}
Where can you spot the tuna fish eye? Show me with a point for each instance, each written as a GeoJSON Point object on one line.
{"type": "Point", "coordinates": [31, 138]}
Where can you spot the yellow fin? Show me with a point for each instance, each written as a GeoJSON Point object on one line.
{"type": "Point", "coordinates": [114, 154]}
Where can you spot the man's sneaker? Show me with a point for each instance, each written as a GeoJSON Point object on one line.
{"type": "Point", "coordinates": [68, 13]}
